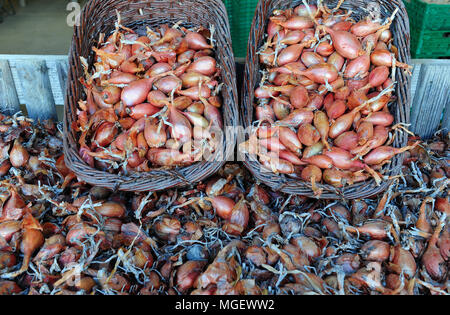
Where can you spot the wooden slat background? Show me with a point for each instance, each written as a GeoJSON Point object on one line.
{"type": "Point", "coordinates": [9, 100]}
{"type": "Point", "coordinates": [38, 82]}
{"type": "Point", "coordinates": [430, 97]}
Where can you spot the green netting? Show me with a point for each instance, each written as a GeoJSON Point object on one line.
{"type": "Point", "coordinates": [240, 13]}
{"type": "Point", "coordinates": [428, 16]}
{"type": "Point", "coordinates": [430, 28]}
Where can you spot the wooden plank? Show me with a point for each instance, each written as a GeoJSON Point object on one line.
{"type": "Point", "coordinates": [415, 79]}
{"type": "Point", "coordinates": [62, 69]}
{"type": "Point", "coordinates": [9, 101]}
{"type": "Point", "coordinates": [446, 120]}
{"type": "Point", "coordinates": [37, 90]}
{"type": "Point", "coordinates": [34, 57]}
{"type": "Point", "coordinates": [432, 61]}
{"type": "Point", "coordinates": [51, 61]}
{"type": "Point", "coordinates": [431, 98]}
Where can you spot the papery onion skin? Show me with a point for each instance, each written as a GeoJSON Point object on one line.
{"type": "Point", "coordinates": [345, 43]}
{"type": "Point", "coordinates": [204, 65]}
{"type": "Point", "coordinates": [347, 141]}
{"type": "Point", "coordinates": [136, 92]}
{"type": "Point", "coordinates": [375, 251]}
{"type": "Point", "coordinates": [19, 155]}
{"type": "Point", "coordinates": [308, 134]}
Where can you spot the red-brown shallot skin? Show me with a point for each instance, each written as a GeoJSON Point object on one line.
{"type": "Point", "coordinates": [223, 206]}
{"type": "Point", "coordinates": [378, 76]}
{"type": "Point", "coordinates": [197, 41]}
{"type": "Point", "coordinates": [310, 58]}
{"type": "Point", "coordinates": [402, 261]}
{"type": "Point", "coordinates": [203, 65]}
{"type": "Point", "coordinates": [281, 109]}
{"type": "Point", "coordinates": [9, 288]}
{"type": "Point", "coordinates": [168, 157]}
{"type": "Point", "coordinates": [188, 273]}
{"type": "Point", "coordinates": [321, 73]}
{"type": "Point", "coordinates": [342, 26]}
{"type": "Point", "coordinates": [267, 56]}
{"type": "Point", "coordinates": [325, 49]}
{"type": "Point", "coordinates": [278, 165]}
{"type": "Point", "coordinates": [273, 144]}
{"type": "Point", "coordinates": [315, 101]}
{"type": "Point", "coordinates": [155, 134]}
{"type": "Point", "coordinates": [321, 161]}
{"type": "Point", "coordinates": [289, 139]}
{"type": "Point", "coordinates": [7, 260]}
{"type": "Point", "coordinates": [308, 134]}
{"type": "Point", "coordinates": [298, 117]}
{"type": "Point", "coordinates": [382, 119]}
{"type": "Point", "coordinates": [105, 134]}
{"type": "Point", "coordinates": [299, 97]}
{"type": "Point", "coordinates": [136, 92]}
{"type": "Point", "coordinates": [291, 157]}
{"type": "Point", "coordinates": [111, 210]}
{"type": "Point", "coordinates": [364, 28]}
{"type": "Point", "coordinates": [345, 43]}
{"type": "Point", "coordinates": [343, 159]}
{"type": "Point", "coordinates": [293, 37]}
{"type": "Point", "coordinates": [356, 98]}
{"type": "Point", "coordinates": [337, 109]}
{"type": "Point", "coordinates": [310, 172]}
{"type": "Point", "coordinates": [238, 221]}
{"type": "Point", "coordinates": [347, 141]}
{"type": "Point", "coordinates": [313, 150]}
{"type": "Point", "coordinates": [380, 155]}
{"type": "Point", "coordinates": [365, 133]}
{"type": "Point", "coordinates": [19, 155]}
{"type": "Point", "coordinates": [375, 251]}
{"type": "Point", "coordinates": [336, 60]}
{"type": "Point", "coordinates": [289, 54]}
{"type": "Point", "coordinates": [295, 23]}
{"type": "Point", "coordinates": [8, 228]}
{"type": "Point", "coordinates": [358, 67]}
{"type": "Point", "coordinates": [321, 123]}
{"type": "Point", "coordinates": [342, 93]}
{"type": "Point", "coordinates": [328, 100]}
{"type": "Point", "coordinates": [342, 124]}
{"type": "Point", "coordinates": [443, 205]}
{"type": "Point", "coordinates": [256, 255]}
{"type": "Point", "coordinates": [5, 166]}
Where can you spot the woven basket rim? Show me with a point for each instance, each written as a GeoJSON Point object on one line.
{"type": "Point", "coordinates": [158, 179]}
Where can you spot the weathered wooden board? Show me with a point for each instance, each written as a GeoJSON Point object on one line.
{"type": "Point", "coordinates": [37, 90]}
{"type": "Point", "coordinates": [430, 97]}
{"type": "Point", "coordinates": [9, 101]}
{"type": "Point", "coordinates": [52, 62]}
{"type": "Point", "coordinates": [62, 69]}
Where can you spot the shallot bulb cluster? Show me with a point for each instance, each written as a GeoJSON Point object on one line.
{"type": "Point", "coordinates": [227, 235]}
{"type": "Point", "coordinates": [152, 100]}
{"type": "Point", "coordinates": [322, 107]}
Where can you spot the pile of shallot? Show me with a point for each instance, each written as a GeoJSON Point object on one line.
{"type": "Point", "coordinates": [151, 101]}
{"type": "Point", "coordinates": [227, 235]}
{"type": "Point", "coordinates": [322, 106]}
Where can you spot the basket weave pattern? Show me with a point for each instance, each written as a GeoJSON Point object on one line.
{"type": "Point", "coordinates": [99, 16]}
{"type": "Point", "coordinates": [400, 110]}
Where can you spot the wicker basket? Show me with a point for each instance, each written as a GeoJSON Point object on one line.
{"type": "Point", "coordinates": [252, 77]}
{"type": "Point", "coordinates": [99, 16]}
